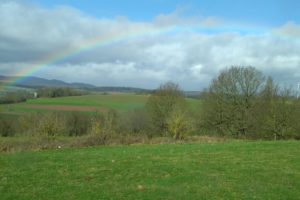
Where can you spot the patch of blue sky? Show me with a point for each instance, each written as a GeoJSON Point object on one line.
{"type": "Point", "coordinates": [220, 29]}
{"type": "Point", "coordinates": [268, 13]}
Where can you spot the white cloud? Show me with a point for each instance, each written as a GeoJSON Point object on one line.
{"type": "Point", "coordinates": [185, 55]}
{"type": "Point", "coordinates": [290, 29]}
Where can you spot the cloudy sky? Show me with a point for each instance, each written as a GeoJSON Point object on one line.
{"type": "Point", "coordinates": [143, 43]}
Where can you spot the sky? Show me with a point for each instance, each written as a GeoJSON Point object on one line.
{"type": "Point", "coordinates": [140, 43]}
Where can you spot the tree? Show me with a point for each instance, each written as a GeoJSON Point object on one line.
{"type": "Point", "coordinates": [162, 103]}
{"type": "Point", "coordinates": [231, 101]}
{"type": "Point", "coordinates": [279, 111]}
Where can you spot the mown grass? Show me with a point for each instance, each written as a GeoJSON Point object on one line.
{"type": "Point", "coordinates": [118, 101]}
{"type": "Point", "coordinates": [231, 170]}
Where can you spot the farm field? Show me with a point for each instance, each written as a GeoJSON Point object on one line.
{"type": "Point", "coordinates": [85, 103]}
{"type": "Point", "coordinates": [229, 170]}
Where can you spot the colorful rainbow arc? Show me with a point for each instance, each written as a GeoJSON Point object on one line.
{"type": "Point", "coordinates": [84, 46]}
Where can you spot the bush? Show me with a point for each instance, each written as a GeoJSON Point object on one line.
{"type": "Point", "coordinates": [135, 122]}
{"type": "Point", "coordinates": [179, 124]}
{"type": "Point", "coordinates": [104, 126]}
{"type": "Point", "coordinates": [28, 124]}
{"type": "Point", "coordinates": [162, 103]}
{"type": "Point", "coordinates": [45, 125]}
{"type": "Point", "coordinates": [6, 128]}
{"type": "Point", "coordinates": [77, 124]}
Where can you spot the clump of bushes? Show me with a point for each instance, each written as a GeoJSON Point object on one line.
{"type": "Point", "coordinates": [49, 125]}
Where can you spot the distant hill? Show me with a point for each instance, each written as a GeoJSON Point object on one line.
{"type": "Point", "coordinates": [36, 82]}
{"type": "Point", "coordinates": [193, 94]}
{"type": "Point", "coordinates": [33, 82]}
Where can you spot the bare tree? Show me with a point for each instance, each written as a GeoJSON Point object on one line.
{"type": "Point", "coordinates": [231, 100]}
{"type": "Point", "coordinates": [279, 111]}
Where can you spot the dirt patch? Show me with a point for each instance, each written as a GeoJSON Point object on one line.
{"type": "Point", "coordinates": [66, 108]}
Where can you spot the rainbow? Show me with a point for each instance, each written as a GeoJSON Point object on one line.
{"type": "Point", "coordinates": [83, 46]}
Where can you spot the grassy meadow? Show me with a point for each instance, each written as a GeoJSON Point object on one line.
{"type": "Point", "coordinates": [228, 170]}
{"type": "Point", "coordinates": [57, 167]}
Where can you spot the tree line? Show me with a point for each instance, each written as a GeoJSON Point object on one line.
{"type": "Point", "coordinates": [15, 97]}
{"type": "Point", "coordinates": [48, 92]}
{"type": "Point", "coordinates": [53, 92]}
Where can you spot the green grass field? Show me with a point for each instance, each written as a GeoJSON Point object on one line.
{"type": "Point", "coordinates": [230, 170]}
{"type": "Point", "coordinates": [118, 101]}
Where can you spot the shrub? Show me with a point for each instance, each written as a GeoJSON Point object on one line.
{"type": "Point", "coordinates": [46, 124]}
{"type": "Point", "coordinates": [104, 126]}
{"type": "Point", "coordinates": [28, 124]}
{"type": "Point", "coordinates": [77, 124]}
{"type": "Point", "coordinates": [162, 103]}
{"type": "Point", "coordinates": [6, 128]}
{"type": "Point", "coordinates": [179, 124]}
{"type": "Point", "coordinates": [135, 122]}
{"type": "Point", "coordinates": [51, 125]}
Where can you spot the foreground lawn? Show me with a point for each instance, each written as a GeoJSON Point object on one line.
{"type": "Point", "coordinates": [234, 170]}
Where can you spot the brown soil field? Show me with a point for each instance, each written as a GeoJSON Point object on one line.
{"type": "Point", "coordinates": [66, 108]}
